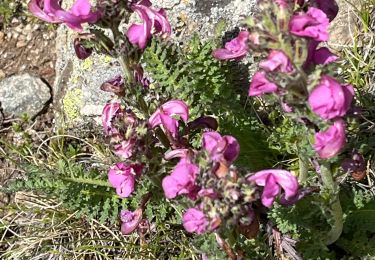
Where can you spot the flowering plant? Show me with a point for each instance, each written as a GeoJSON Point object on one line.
{"type": "Point", "coordinates": [188, 155]}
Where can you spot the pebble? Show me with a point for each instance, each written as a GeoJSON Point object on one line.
{"type": "Point", "coordinates": [21, 44]}
{"type": "Point", "coordinates": [2, 74]}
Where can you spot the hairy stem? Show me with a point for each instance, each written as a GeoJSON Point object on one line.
{"type": "Point", "coordinates": [303, 169]}
{"type": "Point", "coordinates": [336, 211]}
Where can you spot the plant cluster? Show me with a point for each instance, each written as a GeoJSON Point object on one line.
{"type": "Point", "coordinates": [168, 127]}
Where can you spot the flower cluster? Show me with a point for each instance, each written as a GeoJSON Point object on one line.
{"type": "Point", "coordinates": [210, 180]}
{"type": "Point", "coordinates": [285, 71]}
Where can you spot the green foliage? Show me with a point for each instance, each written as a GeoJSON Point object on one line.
{"type": "Point", "coordinates": [84, 191]}
{"type": "Point", "coordinates": [10, 9]}
{"type": "Point", "coordinates": [193, 75]}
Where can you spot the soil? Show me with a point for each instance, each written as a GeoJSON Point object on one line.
{"type": "Point", "coordinates": [25, 48]}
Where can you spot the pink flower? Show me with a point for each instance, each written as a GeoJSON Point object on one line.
{"type": "Point", "coordinates": [164, 116]}
{"type": "Point", "coordinates": [221, 148]}
{"type": "Point", "coordinates": [125, 148]}
{"type": "Point", "coordinates": [272, 181]}
{"type": "Point", "coordinates": [329, 99]}
{"type": "Point", "coordinates": [313, 24]}
{"type": "Point", "coordinates": [330, 142]}
{"type": "Point", "coordinates": [194, 221]}
{"type": "Point", "coordinates": [154, 22]}
{"type": "Point", "coordinates": [122, 177]}
{"type": "Point", "coordinates": [277, 61]}
{"type": "Point", "coordinates": [329, 7]}
{"type": "Point", "coordinates": [321, 56]}
{"type": "Point", "coordinates": [181, 181]}
{"type": "Point", "coordinates": [51, 11]}
{"type": "Point", "coordinates": [130, 220]}
{"type": "Point", "coordinates": [261, 85]}
{"type": "Point", "coordinates": [235, 49]}
{"type": "Point", "coordinates": [185, 155]}
{"type": "Point", "coordinates": [110, 111]}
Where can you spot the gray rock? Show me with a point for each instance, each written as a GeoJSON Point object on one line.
{"type": "Point", "coordinates": [23, 94]}
{"type": "Point", "coordinates": [77, 96]}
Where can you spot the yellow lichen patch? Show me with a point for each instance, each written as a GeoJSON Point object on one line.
{"type": "Point", "coordinates": [87, 64]}
{"type": "Point", "coordinates": [107, 59]}
{"type": "Point", "coordinates": [72, 102]}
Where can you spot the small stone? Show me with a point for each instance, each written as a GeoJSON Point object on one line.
{"type": "Point", "coordinates": [2, 74]}
{"type": "Point", "coordinates": [27, 28]}
{"type": "Point", "coordinates": [21, 44]}
{"type": "Point", "coordinates": [36, 27]}
{"type": "Point", "coordinates": [24, 93]}
{"type": "Point", "coordinates": [15, 35]}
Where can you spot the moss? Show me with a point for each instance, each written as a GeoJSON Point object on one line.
{"type": "Point", "coordinates": [72, 102]}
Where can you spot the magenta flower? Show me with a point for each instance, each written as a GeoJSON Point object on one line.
{"type": "Point", "coordinates": [321, 56]}
{"type": "Point", "coordinates": [329, 99]}
{"type": "Point", "coordinates": [130, 220]}
{"type": "Point", "coordinates": [181, 181]}
{"type": "Point", "coordinates": [194, 221]}
{"type": "Point", "coordinates": [122, 177]}
{"type": "Point", "coordinates": [110, 111]}
{"type": "Point", "coordinates": [277, 61]}
{"type": "Point", "coordinates": [51, 11]}
{"type": "Point", "coordinates": [330, 142]}
{"type": "Point", "coordinates": [313, 24]}
{"type": "Point", "coordinates": [165, 116]}
{"type": "Point", "coordinates": [154, 22]}
{"type": "Point", "coordinates": [235, 49]}
{"type": "Point", "coordinates": [273, 181]}
{"type": "Point", "coordinates": [125, 148]}
{"type": "Point", "coordinates": [221, 148]}
{"type": "Point", "coordinates": [329, 7]}
{"type": "Point", "coordinates": [261, 85]}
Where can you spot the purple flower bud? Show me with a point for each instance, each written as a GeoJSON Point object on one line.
{"type": "Point", "coordinates": [115, 85]}
{"type": "Point", "coordinates": [204, 122]}
{"type": "Point", "coordinates": [329, 7]}
{"type": "Point", "coordinates": [122, 178]}
{"type": "Point", "coordinates": [330, 142]}
{"type": "Point", "coordinates": [52, 12]}
{"type": "Point", "coordinates": [261, 85]}
{"type": "Point", "coordinates": [164, 116]}
{"type": "Point", "coordinates": [321, 56]}
{"type": "Point", "coordinates": [313, 24]}
{"type": "Point", "coordinates": [235, 49]}
{"type": "Point", "coordinates": [329, 99]}
{"type": "Point", "coordinates": [194, 221]}
{"type": "Point", "coordinates": [130, 220]}
{"type": "Point", "coordinates": [273, 181]}
{"type": "Point", "coordinates": [81, 51]}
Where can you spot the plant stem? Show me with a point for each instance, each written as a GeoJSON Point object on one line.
{"type": "Point", "coordinates": [88, 181]}
{"type": "Point", "coordinates": [303, 169]}
{"type": "Point", "coordinates": [336, 211]}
